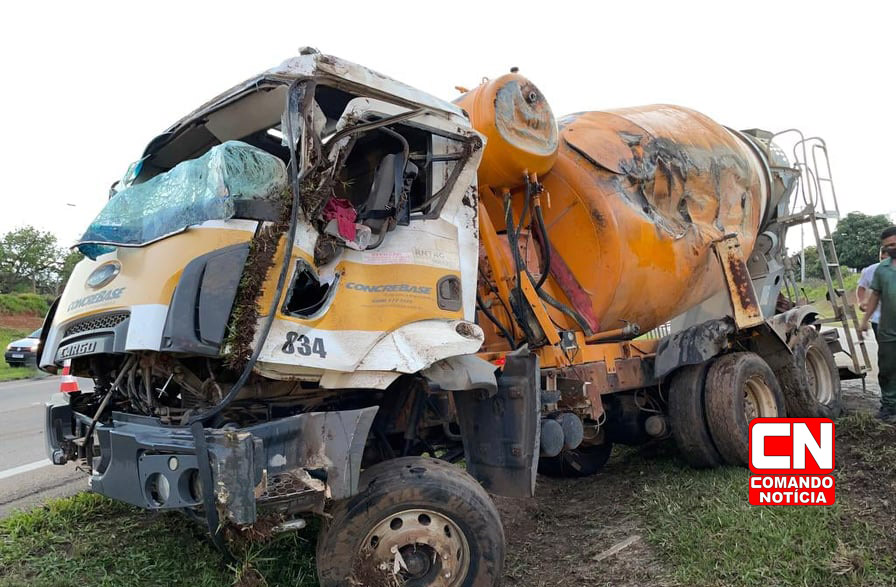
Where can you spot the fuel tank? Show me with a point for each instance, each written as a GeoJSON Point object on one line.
{"type": "Point", "coordinates": [634, 199]}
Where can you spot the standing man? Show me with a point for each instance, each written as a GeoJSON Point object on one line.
{"type": "Point", "coordinates": [864, 290]}
{"type": "Point", "coordinates": [883, 292]}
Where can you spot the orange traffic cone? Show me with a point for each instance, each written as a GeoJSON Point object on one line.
{"type": "Point", "coordinates": [69, 383]}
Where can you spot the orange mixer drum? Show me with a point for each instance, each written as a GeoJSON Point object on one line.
{"type": "Point", "coordinates": [637, 197]}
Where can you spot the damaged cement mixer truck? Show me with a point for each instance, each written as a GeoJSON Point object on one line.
{"type": "Point", "coordinates": [323, 288]}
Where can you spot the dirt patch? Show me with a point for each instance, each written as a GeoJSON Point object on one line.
{"type": "Point", "coordinates": [564, 536]}
{"type": "Point", "coordinates": [866, 470]}
{"type": "Point", "coordinates": [247, 576]}
{"type": "Point", "coordinates": [866, 461]}
{"type": "Point", "coordinates": [21, 322]}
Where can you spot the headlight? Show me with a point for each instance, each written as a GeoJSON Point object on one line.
{"type": "Point", "coordinates": [33, 348]}
{"type": "Point", "coordinates": [9, 346]}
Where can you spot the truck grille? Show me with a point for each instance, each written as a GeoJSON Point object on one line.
{"type": "Point", "coordinates": [96, 323]}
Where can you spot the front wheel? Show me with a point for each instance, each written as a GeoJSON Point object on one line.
{"type": "Point", "coordinates": [416, 522]}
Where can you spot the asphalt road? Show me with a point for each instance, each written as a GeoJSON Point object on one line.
{"type": "Point", "coordinates": [26, 476]}
{"type": "Point", "coordinates": [870, 345]}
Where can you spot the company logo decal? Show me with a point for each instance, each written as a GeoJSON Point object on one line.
{"type": "Point", "coordinates": [103, 274]}
{"type": "Point", "coordinates": [79, 348]}
{"type": "Point", "coordinates": [392, 288]}
{"type": "Point", "coordinates": [101, 296]}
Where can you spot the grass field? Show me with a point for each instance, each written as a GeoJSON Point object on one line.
{"type": "Point", "coordinates": [91, 540]}
{"type": "Point", "coordinates": [815, 291]}
{"type": "Point", "coordinates": [708, 534]}
{"type": "Point", "coordinates": [699, 525]}
{"type": "Point", "coordinates": [17, 304]}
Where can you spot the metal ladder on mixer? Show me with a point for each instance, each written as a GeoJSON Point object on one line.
{"type": "Point", "coordinates": [815, 203]}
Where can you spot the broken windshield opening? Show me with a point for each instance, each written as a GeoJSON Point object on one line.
{"type": "Point", "coordinates": [194, 191]}
{"type": "Point", "coordinates": [377, 165]}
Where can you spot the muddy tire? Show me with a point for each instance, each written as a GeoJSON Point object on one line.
{"type": "Point", "coordinates": [739, 387]}
{"type": "Point", "coordinates": [687, 417]}
{"type": "Point", "coordinates": [584, 461]}
{"type": "Point", "coordinates": [440, 521]}
{"type": "Point", "coordinates": [810, 379]}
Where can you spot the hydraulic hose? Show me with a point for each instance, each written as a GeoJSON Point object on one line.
{"type": "Point", "coordinates": [545, 247]}
{"type": "Point", "coordinates": [525, 211]}
{"type": "Point", "coordinates": [575, 316]}
{"type": "Point", "coordinates": [512, 238]}
{"type": "Point", "coordinates": [488, 314]}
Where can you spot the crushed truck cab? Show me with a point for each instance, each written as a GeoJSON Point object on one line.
{"type": "Point", "coordinates": [318, 291]}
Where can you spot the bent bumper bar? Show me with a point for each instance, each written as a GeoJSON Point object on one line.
{"type": "Point", "coordinates": [152, 466]}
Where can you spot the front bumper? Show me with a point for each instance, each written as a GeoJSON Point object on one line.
{"type": "Point", "coordinates": [137, 460]}
{"type": "Point", "coordinates": [20, 357]}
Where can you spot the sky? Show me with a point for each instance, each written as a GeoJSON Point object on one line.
{"type": "Point", "coordinates": [87, 84]}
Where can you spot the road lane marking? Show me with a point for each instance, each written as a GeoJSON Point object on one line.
{"type": "Point", "coordinates": [22, 384]}
{"type": "Point", "coordinates": [25, 468]}
{"type": "Point", "coordinates": [52, 379]}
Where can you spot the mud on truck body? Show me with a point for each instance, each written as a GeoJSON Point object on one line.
{"type": "Point", "coordinates": [319, 290]}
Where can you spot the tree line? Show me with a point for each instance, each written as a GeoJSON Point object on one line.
{"type": "Point", "coordinates": [857, 240]}
{"type": "Point", "coordinates": [32, 261]}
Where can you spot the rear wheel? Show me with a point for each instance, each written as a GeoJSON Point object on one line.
{"type": "Point", "coordinates": [416, 522]}
{"type": "Point", "coordinates": [687, 417]}
{"type": "Point", "coordinates": [810, 379]}
{"type": "Point", "coordinates": [739, 387]}
{"type": "Point", "coordinates": [584, 461]}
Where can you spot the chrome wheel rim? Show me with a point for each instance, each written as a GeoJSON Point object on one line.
{"type": "Point", "coordinates": [759, 402]}
{"type": "Point", "coordinates": [418, 547]}
{"type": "Point", "coordinates": [819, 377]}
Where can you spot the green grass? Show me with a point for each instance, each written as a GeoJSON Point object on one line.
{"type": "Point", "coordinates": [91, 540]}
{"type": "Point", "coordinates": [33, 304]}
{"type": "Point", "coordinates": [8, 373]}
{"type": "Point", "coordinates": [699, 524]}
{"type": "Point", "coordinates": [710, 535]}
{"type": "Point", "coordinates": [707, 534]}
{"type": "Point", "coordinates": [816, 291]}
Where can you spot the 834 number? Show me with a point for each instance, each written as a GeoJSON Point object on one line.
{"type": "Point", "coordinates": [303, 345]}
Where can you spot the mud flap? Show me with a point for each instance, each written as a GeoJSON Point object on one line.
{"type": "Point", "coordinates": [500, 430]}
